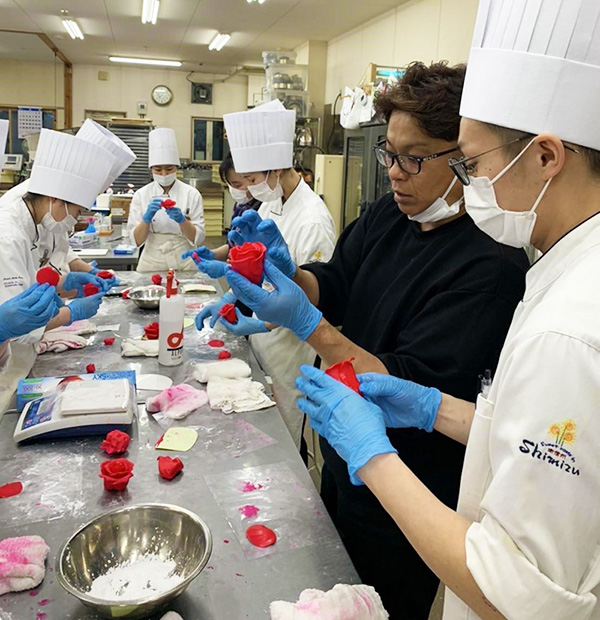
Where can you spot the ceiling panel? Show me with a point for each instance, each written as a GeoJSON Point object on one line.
{"type": "Point", "coordinates": [24, 47]}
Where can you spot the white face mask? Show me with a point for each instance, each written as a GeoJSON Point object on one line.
{"type": "Point", "coordinates": [439, 210]}
{"type": "Point", "coordinates": [58, 228]}
{"type": "Point", "coordinates": [512, 228]}
{"type": "Point", "coordinates": [239, 195]}
{"type": "Point", "coordinates": [262, 191]}
{"type": "Point", "coordinates": [166, 180]}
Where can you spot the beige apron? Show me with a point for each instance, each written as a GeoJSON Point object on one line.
{"type": "Point", "coordinates": [163, 251]}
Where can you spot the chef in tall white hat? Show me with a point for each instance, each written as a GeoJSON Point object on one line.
{"type": "Point", "coordinates": [67, 175]}
{"type": "Point", "coordinates": [165, 231]}
{"type": "Point", "coordinates": [524, 543]}
{"type": "Point", "coordinates": [262, 146]}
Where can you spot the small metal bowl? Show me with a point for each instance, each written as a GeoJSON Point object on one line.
{"type": "Point", "coordinates": [147, 297]}
{"type": "Point", "coordinates": [126, 534]}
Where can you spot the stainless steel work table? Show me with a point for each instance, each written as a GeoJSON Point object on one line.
{"type": "Point", "coordinates": [63, 491]}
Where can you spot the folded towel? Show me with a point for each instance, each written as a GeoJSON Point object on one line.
{"type": "Point", "coordinates": [342, 602]}
{"type": "Point", "coordinates": [139, 348]}
{"type": "Point", "coordinates": [177, 402]}
{"type": "Point", "coordinates": [228, 369]}
{"type": "Point", "coordinates": [237, 395]}
{"type": "Point", "coordinates": [22, 563]}
{"type": "Point", "coordinates": [66, 337]}
{"type": "Point", "coordinates": [78, 327]}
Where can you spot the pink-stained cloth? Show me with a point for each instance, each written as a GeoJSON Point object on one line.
{"type": "Point", "coordinates": [342, 602]}
{"type": "Point", "coordinates": [177, 402]}
{"type": "Point", "coordinates": [66, 337]}
{"type": "Point", "coordinates": [22, 563]}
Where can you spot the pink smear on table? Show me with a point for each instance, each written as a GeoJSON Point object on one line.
{"type": "Point", "coordinates": [249, 511]}
{"type": "Point", "coordinates": [44, 602]}
{"type": "Point", "coordinates": [11, 489]}
{"type": "Point", "coordinates": [41, 615]}
{"type": "Point", "coordinates": [239, 575]}
{"type": "Point", "coordinates": [33, 593]}
{"type": "Point", "coordinates": [248, 487]}
{"type": "Point", "coordinates": [215, 343]}
{"type": "Point", "coordinates": [226, 541]}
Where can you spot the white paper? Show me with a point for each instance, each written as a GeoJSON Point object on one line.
{"type": "Point", "coordinates": [90, 252]}
{"type": "Point", "coordinates": [29, 121]}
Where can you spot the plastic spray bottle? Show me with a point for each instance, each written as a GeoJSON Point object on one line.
{"type": "Point", "coordinates": [170, 324]}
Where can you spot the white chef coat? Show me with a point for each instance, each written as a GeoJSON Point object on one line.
{"type": "Point", "coordinates": [166, 242]}
{"type": "Point", "coordinates": [309, 231]}
{"type": "Point", "coordinates": [531, 478]}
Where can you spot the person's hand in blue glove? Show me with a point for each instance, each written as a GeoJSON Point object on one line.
{"type": "Point", "coordinates": [152, 209]}
{"type": "Point", "coordinates": [405, 404]}
{"type": "Point", "coordinates": [85, 307]}
{"type": "Point", "coordinates": [202, 252]}
{"type": "Point", "coordinates": [245, 325]}
{"type": "Point", "coordinates": [76, 280]}
{"type": "Point", "coordinates": [212, 311]}
{"type": "Point", "coordinates": [249, 227]}
{"type": "Point", "coordinates": [287, 305]}
{"type": "Point", "coordinates": [27, 311]}
{"type": "Point", "coordinates": [354, 426]}
{"type": "Point", "coordinates": [176, 214]}
{"type": "Point", "coordinates": [114, 281]}
{"type": "Point", "coordinates": [212, 268]}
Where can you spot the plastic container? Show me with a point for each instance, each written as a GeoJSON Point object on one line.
{"type": "Point", "coordinates": [170, 324]}
{"type": "Point", "coordinates": [292, 100]}
{"type": "Point", "coordinates": [287, 77]}
{"type": "Point", "coordinates": [279, 58]}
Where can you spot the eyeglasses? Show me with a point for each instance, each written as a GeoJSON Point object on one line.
{"type": "Point", "coordinates": [463, 170]}
{"type": "Point", "coordinates": [410, 164]}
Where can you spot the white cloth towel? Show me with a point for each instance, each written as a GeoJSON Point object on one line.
{"type": "Point", "coordinates": [237, 395]}
{"type": "Point", "coordinates": [226, 369]}
{"type": "Point", "coordinates": [177, 402]}
{"type": "Point", "coordinates": [139, 348]}
{"type": "Point", "coordinates": [342, 602]}
{"type": "Point", "coordinates": [66, 337]}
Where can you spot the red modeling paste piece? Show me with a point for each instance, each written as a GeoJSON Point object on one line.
{"type": "Point", "coordinates": [248, 260]}
{"type": "Point", "coordinates": [224, 355]}
{"type": "Point", "coordinates": [116, 442]}
{"type": "Point", "coordinates": [105, 275]}
{"type": "Point", "coordinates": [168, 203]}
{"type": "Point", "coordinates": [125, 294]}
{"type": "Point", "coordinates": [47, 275]}
{"type": "Point", "coordinates": [261, 536]}
{"type": "Point", "coordinates": [90, 368]}
{"type": "Point", "coordinates": [11, 489]}
{"type": "Point", "coordinates": [90, 289]}
{"type": "Point", "coordinates": [227, 311]}
{"type": "Point", "coordinates": [249, 511]}
{"type": "Point", "coordinates": [344, 373]}
{"type": "Point", "coordinates": [109, 341]}
{"type": "Point", "coordinates": [156, 279]}
{"type": "Point", "coordinates": [151, 331]}
{"type": "Point", "coordinates": [159, 441]}
{"type": "Point", "coordinates": [215, 343]}
{"type": "Point", "coordinates": [116, 474]}
{"type": "Point", "coordinates": [196, 257]}
{"type": "Point", "coordinates": [168, 468]}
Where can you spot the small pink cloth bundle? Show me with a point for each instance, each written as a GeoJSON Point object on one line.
{"type": "Point", "coordinates": [22, 563]}
{"type": "Point", "coordinates": [177, 402]}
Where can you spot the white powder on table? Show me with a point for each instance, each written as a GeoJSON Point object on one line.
{"type": "Point", "coordinates": [136, 579]}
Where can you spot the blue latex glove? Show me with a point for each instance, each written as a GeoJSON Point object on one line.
{"type": "Point", "coordinates": [212, 268]}
{"type": "Point", "coordinates": [27, 311]}
{"type": "Point", "coordinates": [85, 307]}
{"type": "Point", "coordinates": [202, 252]}
{"type": "Point", "coordinates": [354, 426]}
{"type": "Point", "coordinates": [212, 311]}
{"type": "Point", "coordinates": [152, 209]}
{"type": "Point", "coordinates": [176, 214]}
{"type": "Point", "coordinates": [249, 227]}
{"type": "Point", "coordinates": [114, 281]}
{"type": "Point", "coordinates": [76, 280]}
{"type": "Point", "coordinates": [405, 404]}
{"type": "Point", "coordinates": [287, 305]}
{"type": "Point", "coordinates": [245, 325]}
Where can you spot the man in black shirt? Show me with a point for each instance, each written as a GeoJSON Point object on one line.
{"type": "Point", "coordinates": [420, 293]}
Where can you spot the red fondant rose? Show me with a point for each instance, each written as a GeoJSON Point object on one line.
{"type": "Point", "coordinates": [90, 289]}
{"type": "Point", "coordinates": [344, 373]}
{"type": "Point", "coordinates": [116, 474]}
{"type": "Point", "coordinates": [116, 442]}
{"type": "Point", "coordinates": [156, 279]}
{"type": "Point", "coordinates": [47, 275]}
{"type": "Point", "coordinates": [248, 260]}
{"type": "Point", "coordinates": [168, 468]}
{"type": "Point", "coordinates": [151, 331]}
{"type": "Point", "coordinates": [168, 203]}
{"type": "Point", "coordinates": [90, 368]}
{"type": "Point", "coordinates": [227, 311]}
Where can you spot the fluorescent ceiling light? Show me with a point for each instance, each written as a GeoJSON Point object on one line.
{"type": "Point", "coordinates": [219, 42]}
{"type": "Point", "coordinates": [146, 61]}
{"type": "Point", "coordinates": [259, 1]}
{"type": "Point", "coordinates": [150, 11]}
{"type": "Point", "coordinates": [72, 27]}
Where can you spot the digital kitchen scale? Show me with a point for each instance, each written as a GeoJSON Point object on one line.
{"type": "Point", "coordinates": [80, 408]}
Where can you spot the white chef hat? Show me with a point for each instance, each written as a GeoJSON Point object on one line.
{"type": "Point", "coordinates": [535, 66]}
{"type": "Point", "coordinates": [261, 138]}
{"type": "Point", "coordinates": [69, 168]}
{"type": "Point", "coordinates": [163, 148]}
{"type": "Point", "coordinates": [96, 134]}
{"type": "Point", "coordinates": [3, 136]}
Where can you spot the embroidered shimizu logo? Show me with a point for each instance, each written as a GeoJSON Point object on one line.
{"type": "Point", "coordinates": [555, 453]}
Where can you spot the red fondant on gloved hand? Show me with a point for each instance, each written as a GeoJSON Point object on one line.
{"type": "Point", "coordinates": [248, 260]}
{"type": "Point", "coordinates": [116, 474]}
{"type": "Point", "coordinates": [228, 313]}
{"type": "Point", "coordinates": [344, 373]}
{"type": "Point", "coordinates": [168, 467]}
{"type": "Point", "coordinates": [105, 275]}
{"type": "Point", "coordinates": [47, 275]}
{"type": "Point", "coordinates": [116, 442]}
{"type": "Point", "coordinates": [168, 203]}
{"type": "Point", "coordinates": [90, 289]}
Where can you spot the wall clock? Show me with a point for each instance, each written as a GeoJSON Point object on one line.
{"type": "Point", "coordinates": [162, 95]}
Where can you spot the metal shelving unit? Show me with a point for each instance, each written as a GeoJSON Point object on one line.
{"type": "Point", "coordinates": [136, 138]}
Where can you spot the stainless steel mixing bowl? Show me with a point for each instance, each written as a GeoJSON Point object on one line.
{"type": "Point", "coordinates": [126, 534]}
{"type": "Point", "coordinates": [147, 297]}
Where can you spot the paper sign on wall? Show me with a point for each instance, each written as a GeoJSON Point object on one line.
{"type": "Point", "coordinates": [29, 121]}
